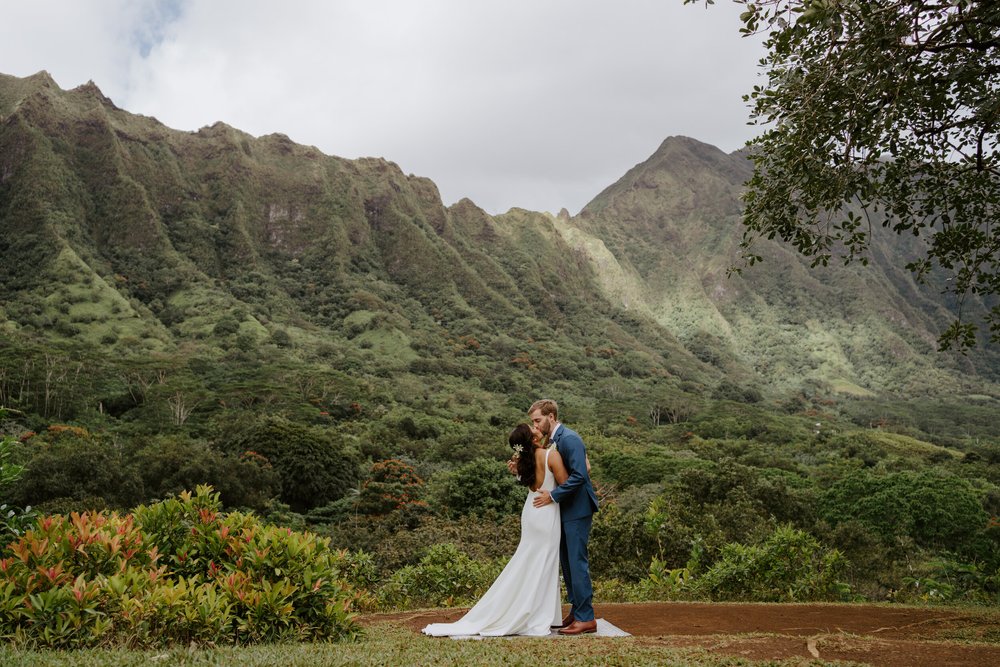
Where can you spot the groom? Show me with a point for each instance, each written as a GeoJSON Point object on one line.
{"type": "Point", "coordinates": [577, 504]}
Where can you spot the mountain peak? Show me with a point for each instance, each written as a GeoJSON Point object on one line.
{"type": "Point", "coordinates": [677, 146]}
{"type": "Point", "coordinates": [91, 90]}
{"type": "Point", "coordinates": [14, 90]}
{"type": "Point", "coordinates": [42, 78]}
{"type": "Point", "coordinates": [681, 141]}
{"type": "Point", "coordinates": [689, 173]}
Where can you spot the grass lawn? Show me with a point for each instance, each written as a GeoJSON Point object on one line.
{"type": "Point", "coordinates": [393, 645]}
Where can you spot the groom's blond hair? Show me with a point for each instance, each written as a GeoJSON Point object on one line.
{"type": "Point", "coordinates": [546, 406]}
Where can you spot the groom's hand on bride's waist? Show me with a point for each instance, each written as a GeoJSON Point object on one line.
{"type": "Point", "coordinates": [542, 499]}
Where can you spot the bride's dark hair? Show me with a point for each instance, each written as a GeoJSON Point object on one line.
{"type": "Point", "coordinates": [521, 437]}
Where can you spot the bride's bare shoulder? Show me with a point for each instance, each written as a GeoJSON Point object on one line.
{"type": "Point", "coordinates": [557, 466]}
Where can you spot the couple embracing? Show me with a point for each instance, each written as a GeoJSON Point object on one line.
{"type": "Point", "coordinates": [555, 530]}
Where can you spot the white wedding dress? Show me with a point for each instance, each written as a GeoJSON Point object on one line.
{"type": "Point", "coordinates": [524, 600]}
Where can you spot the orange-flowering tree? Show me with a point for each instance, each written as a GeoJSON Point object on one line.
{"type": "Point", "coordinates": [392, 485]}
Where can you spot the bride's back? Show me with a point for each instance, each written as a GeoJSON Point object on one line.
{"type": "Point", "coordinates": [544, 478]}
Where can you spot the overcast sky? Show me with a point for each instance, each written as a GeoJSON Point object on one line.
{"type": "Point", "coordinates": [539, 104]}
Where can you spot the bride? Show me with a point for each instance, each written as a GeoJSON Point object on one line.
{"type": "Point", "coordinates": [524, 600]}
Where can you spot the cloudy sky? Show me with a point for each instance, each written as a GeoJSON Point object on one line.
{"type": "Point", "coordinates": [533, 103]}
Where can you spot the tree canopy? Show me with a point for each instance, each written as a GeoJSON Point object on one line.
{"type": "Point", "coordinates": [880, 113]}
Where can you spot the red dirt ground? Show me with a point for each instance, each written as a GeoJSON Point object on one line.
{"type": "Point", "coordinates": [877, 635]}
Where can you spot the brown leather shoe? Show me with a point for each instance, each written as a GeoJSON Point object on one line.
{"type": "Point", "coordinates": [579, 628]}
{"type": "Point", "coordinates": [565, 622]}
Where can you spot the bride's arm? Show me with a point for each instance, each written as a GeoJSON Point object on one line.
{"type": "Point", "coordinates": [557, 467]}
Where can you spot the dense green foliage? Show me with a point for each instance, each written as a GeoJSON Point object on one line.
{"type": "Point", "coordinates": [314, 465]}
{"type": "Point", "coordinates": [444, 577]}
{"type": "Point", "coordinates": [903, 507]}
{"type": "Point", "coordinates": [68, 467]}
{"type": "Point", "coordinates": [14, 521]}
{"type": "Point", "coordinates": [481, 486]}
{"type": "Point", "coordinates": [789, 565]}
{"type": "Point", "coordinates": [932, 509]}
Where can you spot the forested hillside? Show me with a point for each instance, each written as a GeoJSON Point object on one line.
{"type": "Point", "coordinates": [329, 345]}
{"type": "Point", "coordinates": [673, 225]}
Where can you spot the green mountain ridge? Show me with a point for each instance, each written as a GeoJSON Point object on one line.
{"type": "Point", "coordinates": [673, 223]}
{"type": "Point", "coordinates": [129, 239]}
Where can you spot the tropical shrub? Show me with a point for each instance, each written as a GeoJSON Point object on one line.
{"type": "Point", "coordinates": [14, 521]}
{"type": "Point", "coordinates": [763, 492]}
{"type": "Point", "coordinates": [623, 543]}
{"type": "Point", "coordinates": [179, 571]}
{"type": "Point", "coordinates": [9, 471]}
{"type": "Point", "coordinates": [730, 391]}
{"type": "Point", "coordinates": [482, 486]}
{"type": "Point", "coordinates": [359, 570]}
{"type": "Point", "coordinates": [315, 465]}
{"type": "Point", "coordinates": [790, 566]}
{"type": "Point", "coordinates": [632, 469]}
{"type": "Point", "coordinates": [391, 485]}
{"type": "Point", "coordinates": [616, 590]}
{"type": "Point", "coordinates": [70, 463]}
{"type": "Point", "coordinates": [872, 570]}
{"type": "Point", "coordinates": [445, 577]}
{"type": "Point", "coordinates": [934, 509]}
{"type": "Point", "coordinates": [947, 580]}
{"type": "Point", "coordinates": [664, 582]}
{"type": "Point", "coordinates": [401, 538]}
{"type": "Point", "coordinates": [169, 464]}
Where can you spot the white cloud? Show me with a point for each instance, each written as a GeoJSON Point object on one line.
{"type": "Point", "coordinates": [538, 104]}
{"type": "Point", "coordinates": [77, 41]}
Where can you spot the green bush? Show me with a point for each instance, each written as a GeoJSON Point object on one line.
{"type": "Point", "coordinates": [616, 590]}
{"type": "Point", "coordinates": [665, 583]}
{"type": "Point", "coordinates": [69, 462]}
{"type": "Point", "coordinates": [169, 464]}
{"type": "Point", "coordinates": [179, 571]}
{"type": "Point", "coordinates": [790, 566]}
{"type": "Point", "coordinates": [622, 544]}
{"type": "Point", "coordinates": [731, 483]}
{"type": "Point", "coordinates": [873, 570]}
{"type": "Point", "coordinates": [399, 539]}
{"type": "Point", "coordinates": [935, 509]}
{"type": "Point", "coordinates": [316, 465]}
{"type": "Point", "coordinates": [358, 569]}
{"type": "Point", "coordinates": [482, 486]}
{"type": "Point", "coordinates": [627, 469]}
{"type": "Point", "coordinates": [226, 326]}
{"type": "Point", "coordinates": [445, 576]}
{"type": "Point", "coordinates": [947, 580]}
{"type": "Point", "coordinates": [14, 521]}
{"type": "Point", "coordinates": [730, 391]}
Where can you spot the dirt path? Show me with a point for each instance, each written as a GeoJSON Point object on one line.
{"type": "Point", "coordinates": [887, 636]}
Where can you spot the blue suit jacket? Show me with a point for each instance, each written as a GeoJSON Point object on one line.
{"type": "Point", "coordinates": [576, 495]}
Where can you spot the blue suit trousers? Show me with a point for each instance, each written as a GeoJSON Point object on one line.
{"type": "Point", "coordinates": [575, 566]}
